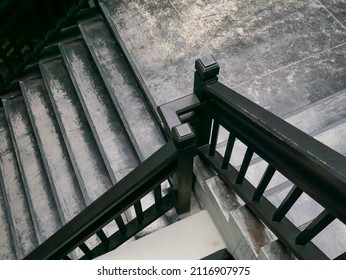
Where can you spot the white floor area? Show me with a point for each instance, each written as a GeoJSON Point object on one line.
{"type": "Point", "coordinates": [192, 238]}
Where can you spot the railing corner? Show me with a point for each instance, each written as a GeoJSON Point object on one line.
{"type": "Point", "coordinates": [207, 70]}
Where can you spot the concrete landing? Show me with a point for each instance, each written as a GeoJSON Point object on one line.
{"type": "Point", "coordinates": [281, 54]}
{"type": "Point", "coordinates": [192, 238]}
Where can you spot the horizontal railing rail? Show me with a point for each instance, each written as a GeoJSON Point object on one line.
{"type": "Point", "coordinates": [311, 166]}
{"type": "Point", "coordinates": [27, 27]}
{"type": "Point", "coordinates": [169, 160]}
{"type": "Point", "coordinates": [303, 163]}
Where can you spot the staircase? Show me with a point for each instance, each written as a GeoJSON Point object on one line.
{"type": "Point", "coordinates": [79, 122]}
{"type": "Point", "coordinates": [69, 132]}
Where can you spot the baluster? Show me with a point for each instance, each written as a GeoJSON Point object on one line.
{"type": "Point", "coordinates": [158, 197]}
{"type": "Point", "coordinates": [103, 237]}
{"type": "Point", "coordinates": [228, 152]}
{"type": "Point", "coordinates": [214, 136]}
{"type": "Point", "coordinates": [317, 225]}
{"type": "Point", "coordinates": [244, 166]}
{"type": "Point", "coordinates": [263, 184]}
{"type": "Point", "coordinates": [88, 253]}
{"type": "Point", "coordinates": [287, 203]}
{"type": "Point", "coordinates": [139, 212]}
{"type": "Point", "coordinates": [121, 225]}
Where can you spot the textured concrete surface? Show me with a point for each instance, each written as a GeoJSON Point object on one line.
{"type": "Point", "coordinates": [280, 54]}
{"type": "Point", "coordinates": [53, 150]}
{"type": "Point", "coordinates": [175, 242]}
{"type": "Point", "coordinates": [39, 194]}
{"type": "Point", "coordinates": [110, 136]}
{"type": "Point", "coordinates": [86, 158]}
{"type": "Point", "coordinates": [18, 217]}
{"type": "Point", "coordinates": [139, 123]}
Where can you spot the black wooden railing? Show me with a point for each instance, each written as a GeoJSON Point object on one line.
{"type": "Point", "coordinates": [26, 29]}
{"type": "Point", "coordinates": [173, 160]}
{"type": "Point", "coordinates": [312, 167]}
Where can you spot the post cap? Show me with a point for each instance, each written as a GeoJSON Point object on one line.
{"type": "Point", "coordinates": [207, 67]}
{"type": "Point", "coordinates": [183, 134]}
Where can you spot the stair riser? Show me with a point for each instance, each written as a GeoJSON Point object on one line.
{"type": "Point", "coordinates": [55, 157]}
{"type": "Point", "coordinates": [39, 195]}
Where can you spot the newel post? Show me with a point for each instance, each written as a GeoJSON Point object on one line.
{"type": "Point", "coordinates": [184, 139]}
{"type": "Point", "coordinates": [206, 72]}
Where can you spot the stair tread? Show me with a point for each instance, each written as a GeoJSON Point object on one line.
{"type": "Point", "coordinates": [108, 131]}
{"type": "Point", "coordinates": [22, 228]}
{"type": "Point", "coordinates": [41, 201]}
{"type": "Point", "coordinates": [319, 114]}
{"type": "Point", "coordinates": [55, 156]}
{"type": "Point", "coordinates": [86, 159]}
{"type": "Point", "coordinates": [7, 251]}
{"type": "Point", "coordinates": [139, 123]}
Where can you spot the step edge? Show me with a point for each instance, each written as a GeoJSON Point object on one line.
{"type": "Point", "coordinates": [44, 158]}
{"type": "Point", "coordinates": [121, 114]}
{"type": "Point", "coordinates": [87, 199]}
{"type": "Point", "coordinates": [88, 116]}
{"type": "Point", "coordinates": [39, 236]}
{"type": "Point", "coordinates": [146, 93]}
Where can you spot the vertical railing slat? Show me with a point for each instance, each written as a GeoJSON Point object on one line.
{"type": "Point", "coordinates": [214, 137]}
{"type": "Point", "coordinates": [103, 237]}
{"type": "Point", "coordinates": [121, 225]}
{"type": "Point", "coordinates": [139, 211]}
{"type": "Point", "coordinates": [244, 166]}
{"type": "Point", "coordinates": [228, 152]}
{"type": "Point", "coordinates": [316, 226]}
{"type": "Point", "coordinates": [287, 203]}
{"type": "Point", "coordinates": [158, 197]}
{"type": "Point", "coordinates": [85, 249]}
{"type": "Point", "coordinates": [263, 184]}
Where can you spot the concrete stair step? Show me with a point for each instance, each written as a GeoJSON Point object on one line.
{"type": "Point", "coordinates": [19, 220]}
{"type": "Point", "coordinates": [244, 234]}
{"type": "Point", "coordinates": [319, 114]}
{"type": "Point", "coordinates": [81, 145]}
{"type": "Point", "coordinates": [7, 251]}
{"type": "Point", "coordinates": [275, 251]}
{"type": "Point", "coordinates": [87, 161]}
{"type": "Point", "coordinates": [39, 195]}
{"type": "Point", "coordinates": [139, 123]}
{"type": "Point", "coordinates": [112, 141]}
{"type": "Point", "coordinates": [59, 168]}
